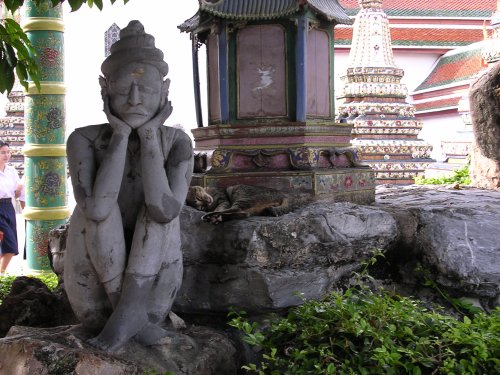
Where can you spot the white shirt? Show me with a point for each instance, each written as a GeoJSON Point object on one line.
{"type": "Point", "coordinates": [22, 195]}
{"type": "Point", "coordinates": [9, 180]}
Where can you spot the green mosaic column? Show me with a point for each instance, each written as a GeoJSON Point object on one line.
{"type": "Point", "coordinates": [45, 149]}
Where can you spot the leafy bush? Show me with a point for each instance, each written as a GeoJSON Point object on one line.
{"type": "Point", "coordinates": [460, 176]}
{"type": "Point", "coordinates": [362, 332]}
{"type": "Point", "coordinates": [48, 278]}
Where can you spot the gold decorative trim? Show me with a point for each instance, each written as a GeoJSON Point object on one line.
{"type": "Point", "coordinates": [43, 24]}
{"type": "Point", "coordinates": [49, 213]}
{"type": "Point", "coordinates": [47, 89]}
{"type": "Point", "coordinates": [31, 149]}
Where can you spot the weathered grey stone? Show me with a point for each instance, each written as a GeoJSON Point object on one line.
{"type": "Point", "coordinates": [457, 236]}
{"type": "Point", "coordinates": [195, 351]}
{"type": "Point", "coordinates": [484, 172]}
{"type": "Point", "coordinates": [123, 264]}
{"type": "Point", "coordinates": [485, 116]}
{"type": "Point", "coordinates": [262, 263]}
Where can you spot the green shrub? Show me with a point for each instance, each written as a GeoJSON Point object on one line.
{"type": "Point", "coordinates": [362, 332]}
{"type": "Point", "coordinates": [460, 176]}
{"type": "Point", "coordinates": [48, 278]}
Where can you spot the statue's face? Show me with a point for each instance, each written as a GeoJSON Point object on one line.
{"type": "Point", "coordinates": [135, 92]}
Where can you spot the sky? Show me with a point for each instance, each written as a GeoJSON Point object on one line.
{"type": "Point", "coordinates": [84, 53]}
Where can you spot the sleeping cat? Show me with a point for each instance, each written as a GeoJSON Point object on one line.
{"type": "Point", "coordinates": [237, 202]}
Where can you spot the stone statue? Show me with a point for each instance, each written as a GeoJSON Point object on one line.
{"type": "Point", "coordinates": [123, 264]}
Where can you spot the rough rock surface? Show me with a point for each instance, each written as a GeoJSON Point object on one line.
{"type": "Point", "coordinates": [484, 172]}
{"type": "Point", "coordinates": [454, 233]}
{"type": "Point", "coordinates": [485, 114]}
{"type": "Point", "coordinates": [31, 303]}
{"type": "Point", "coordinates": [262, 263]}
{"type": "Point", "coordinates": [196, 351]}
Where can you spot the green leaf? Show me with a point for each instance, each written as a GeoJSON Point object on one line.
{"type": "Point", "coordinates": [10, 55]}
{"type": "Point", "coordinates": [98, 3]}
{"type": "Point", "coordinates": [75, 4]}
{"type": "Point", "coordinates": [13, 5]}
{"type": "Point", "coordinates": [7, 77]}
{"type": "Point", "coordinates": [22, 75]}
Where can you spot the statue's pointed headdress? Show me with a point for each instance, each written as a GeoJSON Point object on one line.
{"type": "Point", "coordinates": [134, 45]}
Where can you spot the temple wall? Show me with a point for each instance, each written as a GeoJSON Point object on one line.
{"type": "Point", "coordinates": [439, 128]}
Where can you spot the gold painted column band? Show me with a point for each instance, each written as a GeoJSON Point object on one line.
{"type": "Point", "coordinates": [32, 149]}
{"type": "Point", "coordinates": [43, 24]}
{"type": "Point", "coordinates": [51, 213]}
{"type": "Point", "coordinates": [47, 88]}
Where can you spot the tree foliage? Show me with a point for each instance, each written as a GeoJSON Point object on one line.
{"type": "Point", "coordinates": [17, 55]}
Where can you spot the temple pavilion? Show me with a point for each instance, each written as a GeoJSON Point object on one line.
{"type": "Point", "coordinates": [271, 102]}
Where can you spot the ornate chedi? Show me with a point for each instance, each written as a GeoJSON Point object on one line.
{"type": "Point", "coordinates": [271, 115]}
{"type": "Point", "coordinates": [374, 100]}
{"type": "Point", "coordinates": [12, 126]}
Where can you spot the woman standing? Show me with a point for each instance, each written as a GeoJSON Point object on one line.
{"type": "Point", "coordinates": [10, 188]}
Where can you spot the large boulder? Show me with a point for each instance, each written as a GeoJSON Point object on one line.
{"type": "Point", "coordinates": [270, 263]}
{"type": "Point", "coordinates": [453, 233]}
{"type": "Point", "coordinates": [484, 96]}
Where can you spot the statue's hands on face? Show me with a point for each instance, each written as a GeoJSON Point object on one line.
{"type": "Point", "coordinates": [137, 96]}
{"type": "Point", "coordinates": [146, 130]}
{"type": "Point", "coordinates": [118, 125]}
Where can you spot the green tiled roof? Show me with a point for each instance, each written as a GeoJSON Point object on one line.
{"type": "Point", "coordinates": [250, 9]}
{"type": "Point", "coordinates": [459, 65]}
{"type": "Point", "coordinates": [266, 9]}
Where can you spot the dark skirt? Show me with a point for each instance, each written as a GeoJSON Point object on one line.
{"type": "Point", "coordinates": [8, 227]}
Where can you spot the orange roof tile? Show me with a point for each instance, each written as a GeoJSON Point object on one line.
{"type": "Point", "coordinates": [419, 8]}
{"type": "Point", "coordinates": [454, 67]}
{"type": "Point", "coordinates": [463, 11]}
{"type": "Point", "coordinates": [419, 36]}
{"type": "Point", "coordinates": [448, 103]}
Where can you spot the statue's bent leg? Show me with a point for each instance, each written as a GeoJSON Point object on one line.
{"type": "Point", "coordinates": [165, 287]}
{"type": "Point", "coordinates": [86, 294]}
{"type": "Point", "coordinates": [105, 243]}
{"type": "Point", "coordinates": [146, 266]}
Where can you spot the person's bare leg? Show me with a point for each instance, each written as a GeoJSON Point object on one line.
{"type": "Point", "coordinates": [4, 261]}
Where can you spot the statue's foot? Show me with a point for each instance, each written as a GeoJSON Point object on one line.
{"type": "Point", "coordinates": [98, 343]}
{"type": "Point", "coordinates": [153, 334]}
{"type": "Point", "coordinates": [82, 332]}
{"type": "Point", "coordinates": [120, 328]}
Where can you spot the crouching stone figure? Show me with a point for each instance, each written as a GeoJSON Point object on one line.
{"type": "Point", "coordinates": [123, 264]}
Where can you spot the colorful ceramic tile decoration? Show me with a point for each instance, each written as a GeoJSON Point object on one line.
{"type": "Point", "coordinates": [45, 149]}
{"type": "Point", "coordinates": [374, 101]}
